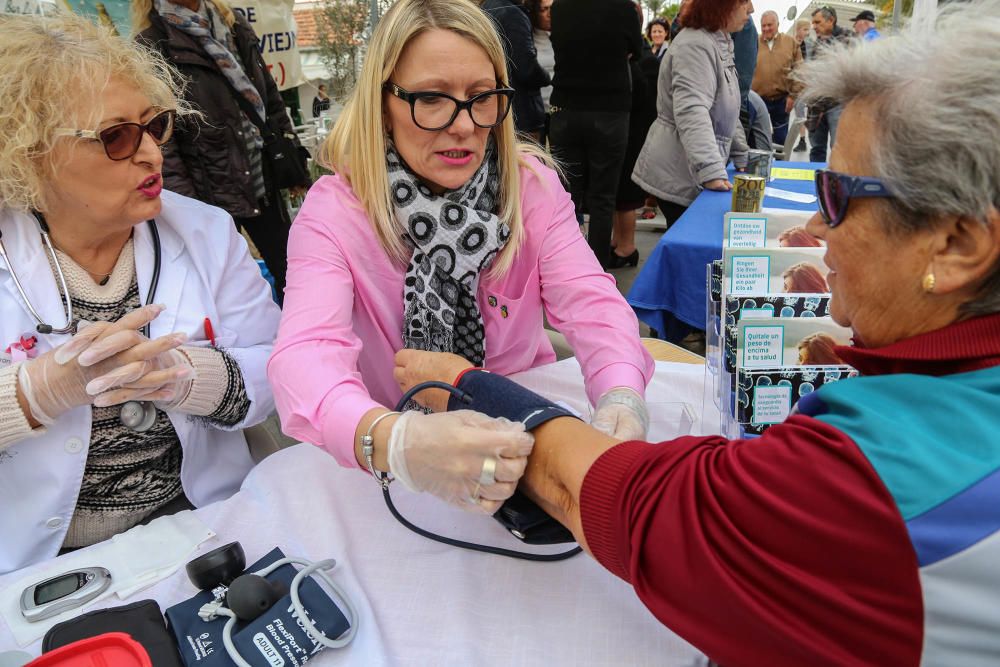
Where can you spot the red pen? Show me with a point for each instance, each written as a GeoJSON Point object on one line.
{"type": "Point", "coordinates": [209, 332]}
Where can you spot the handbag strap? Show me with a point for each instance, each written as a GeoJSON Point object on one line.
{"type": "Point", "coordinates": [248, 109]}
{"type": "Point", "coordinates": [251, 113]}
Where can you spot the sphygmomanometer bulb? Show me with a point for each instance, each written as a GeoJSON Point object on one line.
{"type": "Point", "coordinates": [250, 595]}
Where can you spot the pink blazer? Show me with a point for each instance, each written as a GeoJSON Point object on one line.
{"type": "Point", "coordinates": [343, 314]}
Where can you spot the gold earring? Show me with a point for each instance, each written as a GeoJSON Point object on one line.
{"type": "Point", "coordinates": [929, 282]}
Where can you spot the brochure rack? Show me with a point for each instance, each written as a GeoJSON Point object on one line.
{"type": "Point", "coordinates": [769, 338]}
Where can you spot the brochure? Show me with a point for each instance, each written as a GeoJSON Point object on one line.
{"type": "Point", "coordinates": [767, 396]}
{"type": "Point", "coordinates": [789, 341]}
{"type": "Point", "coordinates": [739, 308]}
{"type": "Point", "coordinates": [767, 271]}
{"type": "Point", "coordinates": [770, 229]}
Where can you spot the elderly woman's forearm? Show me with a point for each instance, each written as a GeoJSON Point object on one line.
{"type": "Point", "coordinates": [564, 451]}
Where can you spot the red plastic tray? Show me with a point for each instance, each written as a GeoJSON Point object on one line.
{"type": "Point", "coordinates": [112, 649]}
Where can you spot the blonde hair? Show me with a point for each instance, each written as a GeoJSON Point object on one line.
{"type": "Point", "coordinates": [357, 145]}
{"type": "Point", "coordinates": [55, 70]}
{"type": "Point", "coordinates": [139, 14]}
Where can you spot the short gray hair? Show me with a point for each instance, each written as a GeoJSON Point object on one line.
{"type": "Point", "coordinates": [936, 87]}
{"type": "Point", "coordinates": [769, 12]}
{"type": "Point", "coordinates": [827, 14]}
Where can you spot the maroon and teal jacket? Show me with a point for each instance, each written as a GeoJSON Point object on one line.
{"type": "Point", "coordinates": [864, 530]}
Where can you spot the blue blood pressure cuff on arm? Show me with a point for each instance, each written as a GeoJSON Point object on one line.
{"type": "Point", "coordinates": [496, 396]}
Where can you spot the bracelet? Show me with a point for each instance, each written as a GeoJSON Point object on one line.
{"type": "Point", "coordinates": [368, 448]}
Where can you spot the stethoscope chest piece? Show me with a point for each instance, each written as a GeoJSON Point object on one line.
{"type": "Point", "coordinates": [138, 416]}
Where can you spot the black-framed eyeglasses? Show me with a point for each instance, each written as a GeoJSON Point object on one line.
{"type": "Point", "coordinates": [122, 141]}
{"type": "Point", "coordinates": [835, 191]}
{"type": "Point", "coordinates": [435, 111]}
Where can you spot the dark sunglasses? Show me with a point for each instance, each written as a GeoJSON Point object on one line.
{"type": "Point", "coordinates": [122, 141]}
{"type": "Point", "coordinates": [835, 191]}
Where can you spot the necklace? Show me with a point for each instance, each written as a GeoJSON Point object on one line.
{"type": "Point", "coordinates": [99, 277]}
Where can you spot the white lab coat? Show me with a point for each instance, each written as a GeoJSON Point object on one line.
{"type": "Point", "coordinates": [206, 271]}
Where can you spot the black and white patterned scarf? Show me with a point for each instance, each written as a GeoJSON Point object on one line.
{"type": "Point", "coordinates": [455, 236]}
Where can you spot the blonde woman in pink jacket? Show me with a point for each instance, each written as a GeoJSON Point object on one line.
{"type": "Point", "coordinates": [440, 232]}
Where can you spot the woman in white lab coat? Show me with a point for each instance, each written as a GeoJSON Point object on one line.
{"type": "Point", "coordinates": [106, 425]}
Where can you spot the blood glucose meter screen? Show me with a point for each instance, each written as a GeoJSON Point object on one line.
{"type": "Point", "coordinates": [57, 588]}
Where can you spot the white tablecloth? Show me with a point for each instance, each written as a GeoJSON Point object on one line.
{"type": "Point", "coordinates": [421, 602]}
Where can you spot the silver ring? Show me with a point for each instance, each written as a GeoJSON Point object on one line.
{"type": "Point", "coordinates": [488, 474]}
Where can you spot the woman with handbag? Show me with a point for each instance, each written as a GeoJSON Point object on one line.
{"type": "Point", "coordinates": [241, 151]}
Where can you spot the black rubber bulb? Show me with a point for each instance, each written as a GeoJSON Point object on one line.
{"type": "Point", "coordinates": [250, 595]}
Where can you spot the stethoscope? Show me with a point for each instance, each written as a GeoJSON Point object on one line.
{"type": "Point", "coordinates": [136, 416]}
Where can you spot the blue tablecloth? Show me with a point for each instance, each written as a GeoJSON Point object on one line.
{"type": "Point", "coordinates": [669, 292]}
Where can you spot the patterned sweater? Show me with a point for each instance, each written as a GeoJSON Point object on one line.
{"type": "Point", "coordinates": [129, 475]}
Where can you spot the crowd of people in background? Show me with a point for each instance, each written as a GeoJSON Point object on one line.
{"type": "Point", "coordinates": [588, 76]}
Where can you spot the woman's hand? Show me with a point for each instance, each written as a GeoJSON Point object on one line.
{"type": "Point", "coordinates": [74, 373]}
{"type": "Point", "coordinates": [718, 184]}
{"type": "Point", "coordinates": [416, 366]}
{"type": "Point", "coordinates": [622, 414]}
{"type": "Point", "coordinates": [165, 378]}
{"type": "Point", "coordinates": [463, 457]}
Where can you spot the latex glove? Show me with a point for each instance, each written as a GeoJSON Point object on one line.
{"type": "Point", "coordinates": [57, 381]}
{"type": "Point", "coordinates": [444, 454]}
{"type": "Point", "coordinates": [165, 379]}
{"type": "Point", "coordinates": [622, 414]}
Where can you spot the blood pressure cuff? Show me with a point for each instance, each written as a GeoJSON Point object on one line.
{"type": "Point", "coordinates": [142, 620]}
{"type": "Point", "coordinates": [496, 396]}
{"type": "Point", "coordinates": [276, 637]}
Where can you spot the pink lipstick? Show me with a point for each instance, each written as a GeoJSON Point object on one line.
{"type": "Point", "coordinates": [151, 187]}
{"type": "Point", "coordinates": [456, 157]}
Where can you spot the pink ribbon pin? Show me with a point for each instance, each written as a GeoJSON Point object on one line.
{"type": "Point", "coordinates": [25, 347]}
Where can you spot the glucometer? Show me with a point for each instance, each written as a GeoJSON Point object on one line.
{"type": "Point", "coordinates": [63, 592]}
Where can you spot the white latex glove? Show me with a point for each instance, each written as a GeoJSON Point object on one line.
{"type": "Point", "coordinates": [444, 454]}
{"type": "Point", "coordinates": [165, 379]}
{"type": "Point", "coordinates": [58, 380]}
{"type": "Point", "coordinates": [622, 414]}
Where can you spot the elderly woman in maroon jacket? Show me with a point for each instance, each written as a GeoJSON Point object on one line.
{"type": "Point", "coordinates": [217, 158]}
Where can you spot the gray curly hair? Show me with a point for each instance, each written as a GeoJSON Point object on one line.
{"type": "Point", "coordinates": [936, 87]}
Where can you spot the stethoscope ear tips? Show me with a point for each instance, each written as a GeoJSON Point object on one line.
{"type": "Point", "coordinates": [218, 567]}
